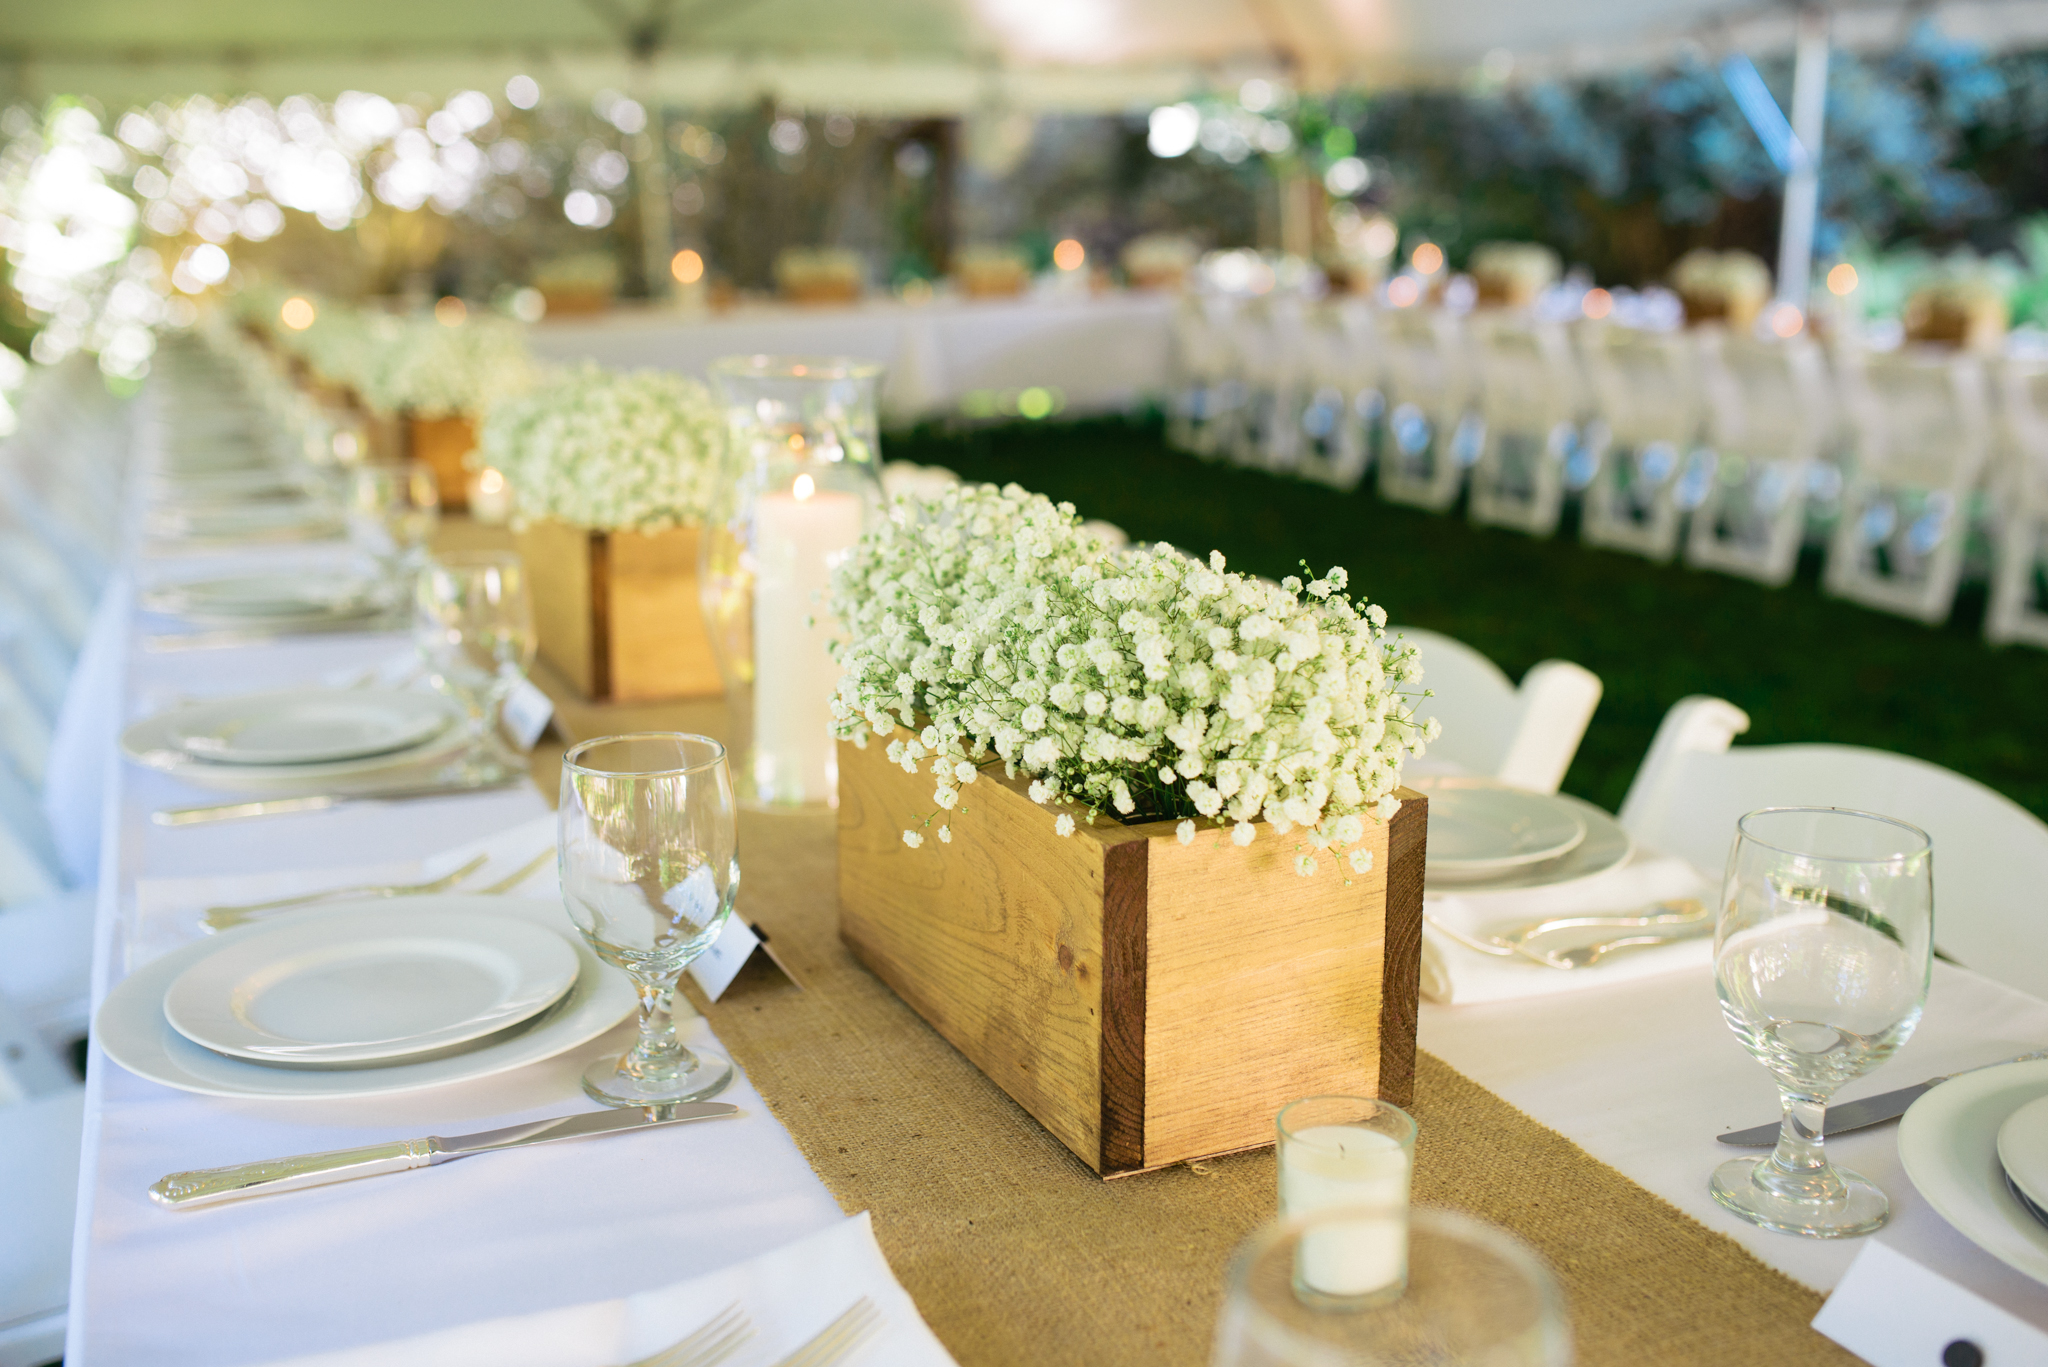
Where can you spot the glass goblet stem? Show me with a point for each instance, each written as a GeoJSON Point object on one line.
{"type": "Point", "coordinates": [1798, 1169]}
{"type": "Point", "coordinates": [657, 1053]}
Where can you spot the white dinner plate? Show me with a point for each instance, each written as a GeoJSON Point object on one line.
{"type": "Point", "coordinates": [381, 983]}
{"type": "Point", "coordinates": [1479, 828]}
{"type": "Point", "coordinates": [132, 1028]}
{"type": "Point", "coordinates": [151, 742]}
{"type": "Point", "coordinates": [2023, 1150]}
{"type": "Point", "coordinates": [267, 599]}
{"type": "Point", "coordinates": [1606, 846]}
{"type": "Point", "coordinates": [282, 520]}
{"type": "Point", "coordinates": [308, 726]}
{"type": "Point", "coordinates": [1948, 1144]}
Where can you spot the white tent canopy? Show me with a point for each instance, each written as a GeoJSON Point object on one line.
{"type": "Point", "coordinates": [888, 56]}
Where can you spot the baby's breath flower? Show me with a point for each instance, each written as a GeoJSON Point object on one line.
{"type": "Point", "coordinates": [1138, 682]}
{"type": "Point", "coordinates": [946, 838]}
{"type": "Point", "coordinates": [912, 839]}
{"type": "Point", "coordinates": [1185, 832]}
{"type": "Point", "coordinates": [1361, 861]}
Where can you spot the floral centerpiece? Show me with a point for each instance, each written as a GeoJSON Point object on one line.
{"type": "Point", "coordinates": [613, 475]}
{"type": "Point", "coordinates": [1137, 682]}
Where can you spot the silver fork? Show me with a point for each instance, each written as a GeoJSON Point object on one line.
{"type": "Point", "coordinates": [1686, 913]}
{"type": "Point", "coordinates": [840, 1339]}
{"type": "Point", "coordinates": [223, 917]}
{"type": "Point", "coordinates": [727, 1332]}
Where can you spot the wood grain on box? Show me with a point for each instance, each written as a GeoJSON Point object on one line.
{"type": "Point", "coordinates": [441, 444]}
{"type": "Point", "coordinates": [1146, 1001]}
{"type": "Point", "coordinates": [618, 612]}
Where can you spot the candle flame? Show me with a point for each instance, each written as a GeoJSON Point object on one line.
{"type": "Point", "coordinates": [804, 487]}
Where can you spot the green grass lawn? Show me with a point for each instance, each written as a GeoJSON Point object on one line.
{"type": "Point", "coordinates": [1805, 667]}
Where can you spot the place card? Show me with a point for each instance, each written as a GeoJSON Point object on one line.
{"type": "Point", "coordinates": [526, 715]}
{"type": "Point", "coordinates": [1892, 1312]}
{"type": "Point", "coordinates": [737, 945]}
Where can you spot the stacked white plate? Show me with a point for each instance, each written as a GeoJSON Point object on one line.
{"type": "Point", "coordinates": [363, 999]}
{"type": "Point", "coordinates": [280, 601]}
{"type": "Point", "coordinates": [1977, 1148]}
{"type": "Point", "coordinates": [1486, 836]}
{"type": "Point", "coordinates": [301, 519]}
{"type": "Point", "coordinates": [295, 737]}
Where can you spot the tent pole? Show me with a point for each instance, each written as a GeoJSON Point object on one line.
{"type": "Point", "coordinates": [650, 170]}
{"type": "Point", "coordinates": [1802, 185]}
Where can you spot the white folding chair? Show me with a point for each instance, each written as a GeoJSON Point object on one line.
{"type": "Point", "coordinates": [1649, 402]}
{"type": "Point", "coordinates": [1990, 854]}
{"type": "Point", "coordinates": [1528, 400]}
{"type": "Point", "coordinates": [1425, 437]}
{"type": "Point", "coordinates": [1208, 391]}
{"type": "Point", "coordinates": [1769, 414]}
{"type": "Point", "coordinates": [2018, 610]}
{"type": "Point", "coordinates": [1329, 445]}
{"type": "Point", "coordinates": [42, 1120]}
{"type": "Point", "coordinates": [1269, 338]}
{"type": "Point", "coordinates": [1522, 735]}
{"type": "Point", "coordinates": [1921, 432]}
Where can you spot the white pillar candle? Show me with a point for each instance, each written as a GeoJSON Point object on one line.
{"type": "Point", "coordinates": [798, 534]}
{"type": "Point", "coordinates": [1330, 1167]}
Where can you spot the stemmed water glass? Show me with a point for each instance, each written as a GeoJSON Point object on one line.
{"type": "Point", "coordinates": [1822, 953]}
{"type": "Point", "coordinates": [473, 626]}
{"type": "Point", "coordinates": [392, 513]}
{"type": "Point", "coordinates": [647, 846]}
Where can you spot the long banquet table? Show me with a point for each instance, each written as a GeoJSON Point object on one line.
{"type": "Point", "coordinates": [1583, 1121]}
{"type": "Point", "coordinates": [1100, 353]}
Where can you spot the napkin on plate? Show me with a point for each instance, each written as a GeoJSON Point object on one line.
{"type": "Point", "coordinates": [1454, 974]}
{"type": "Point", "coordinates": [167, 910]}
{"type": "Point", "coordinates": [788, 1295]}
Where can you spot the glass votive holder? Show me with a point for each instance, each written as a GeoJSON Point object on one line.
{"type": "Point", "coordinates": [1475, 1296]}
{"type": "Point", "coordinates": [1356, 1154]}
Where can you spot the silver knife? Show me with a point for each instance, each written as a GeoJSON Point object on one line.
{"type": "Point", "coordinates": [320, 802]}
{"type": "Point", "coordinates": [1857, 1115]}
{"type": "Point", "coordinates": [207, 1186]}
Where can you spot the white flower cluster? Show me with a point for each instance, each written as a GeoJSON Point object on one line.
{"type": "Point", "coordinates": [1139, 682]}
{"type": "Point", "coordinates": [640, 450]}
{"type": "Point", "coordinates": [404, 364]}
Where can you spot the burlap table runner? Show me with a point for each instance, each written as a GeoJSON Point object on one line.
{"type": "Point", "coordinates": [1017, 1254]}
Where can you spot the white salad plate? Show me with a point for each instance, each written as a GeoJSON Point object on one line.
{"type": "Point", "coordinates": [154, 742]}
{"type": "Point", "coordinates": [267, 599]}
{"type": "Point", "coordinates": [1481, 829]}
{"type": "Point", "coordinates": [370, 985]}
{"type": "Point", "coordinates": [2023, 1150]}
{"type": "Point", "coordinates": [1949, 1145]}
{"type": "Point", "coordinates": [311, 726]}
{"type": "Point", "coordinates": [132, 1028]}
{"type": "Point", "coordinates": [282, 520]}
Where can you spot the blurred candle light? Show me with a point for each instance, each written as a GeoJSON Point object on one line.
{"type": "Point", "coordinates": [1842, 279]}
{"type": "Point", "coordinates": [687, 267]}
{"type": "Point", "coordinates": [490, 498]}
{"type": "Point", "coordinates": [1069, 254]}
{"type": "Point", "coordinates": [1403, 290]}
{"type": "Point", "coordinates": [1427, 259]}
{"type": "Point", "coordinates": [1786, 320]}
{"type": "Point", "coordinates": [449, 311]}
{"type": "Point", "coordinates": [298, 313]}
{"type": "Point", "coordinates": [1597, 303]}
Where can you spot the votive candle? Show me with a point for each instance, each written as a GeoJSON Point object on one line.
{"type": "Point", "coordinates": [1354, 1154]}
{"type": "Point", "coordinates": [799, 533]}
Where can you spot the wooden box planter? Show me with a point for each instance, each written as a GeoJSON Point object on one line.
{"type": "Point", "coordinates": [1146, 1001]}
{"type": "Point", "coordinates": [441, 444]}
{"type": "Point", "coordinates": [618, 612]}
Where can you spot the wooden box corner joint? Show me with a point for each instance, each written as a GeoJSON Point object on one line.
{"type": "Point", "coordinates": [619, 612]}
{"type": "Point", "coordinates": [1146, 1001]}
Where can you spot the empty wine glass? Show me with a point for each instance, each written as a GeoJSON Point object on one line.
{"type": "Point", "coordinates": [392, 513]}
{"type": "Point", "coordinates": [647, 843]}
{"type": "Point", "coordinates": [1821, 958]}
{"type": "Point", "coordinates": [1475, 1296]}
{"type": "Point", "coordinates": [473, 625]}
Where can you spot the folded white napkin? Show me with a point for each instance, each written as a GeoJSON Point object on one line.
{"type": "Point", "coordinates": [788, 1296]}
{"type": "Point", "coordinates": [1453, 973]}
{"type": "Point", "coordinates": [167, 910]}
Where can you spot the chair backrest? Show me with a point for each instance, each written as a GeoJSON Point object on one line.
{"type": "Point", "coordinates": [1523, 735]}
{"type": "Point", "coordinates": [1645, 385]}
{"type": "Point", "coordinates": [1990, 854]}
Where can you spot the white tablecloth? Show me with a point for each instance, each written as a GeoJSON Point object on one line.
{"type": "Point", "coordinates": [1102, 354]}
{"type": "Point", "coordinates": [335, 1267]}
